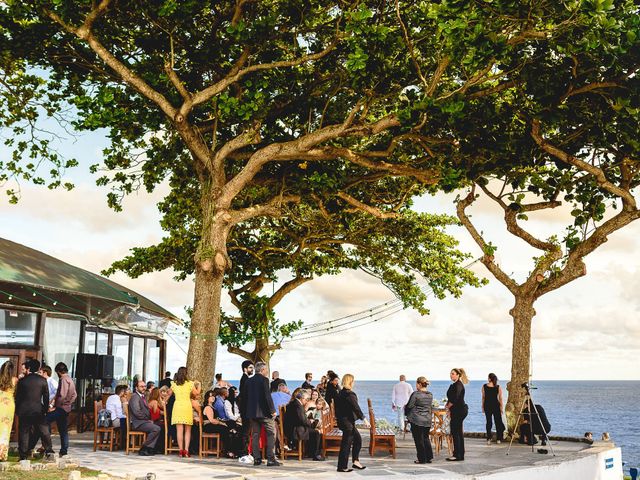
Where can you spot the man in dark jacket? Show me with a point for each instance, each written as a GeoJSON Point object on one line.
{"type": "Point", "coordinates": [32, 404]}
{"type": "Point", "coordinates": [261, 413]}
{"type": "Point", "coordinates": [332, 387]}
{"type": "Point", "coordinates": [247, 372]}
{"type": "Point", "coordinates": [298, 427]}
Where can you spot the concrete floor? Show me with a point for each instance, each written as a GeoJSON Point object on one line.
{"type": "Point", "coordinates": [480, 458]}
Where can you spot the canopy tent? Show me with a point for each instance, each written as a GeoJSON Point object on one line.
{"type": "Point", "coordinates": [30, 278]}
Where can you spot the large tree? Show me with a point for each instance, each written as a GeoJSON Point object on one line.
{"type": "Point", "coordinates": [232, 91]}
{"type": "Point", "coordinates": [566, 139]}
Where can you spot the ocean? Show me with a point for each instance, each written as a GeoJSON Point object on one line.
{"type": "Point", "coordinates": [573, 408]}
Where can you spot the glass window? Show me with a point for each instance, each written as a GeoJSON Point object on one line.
{"type": "Point", "coordinates": [137, 357]}
{"type": "Point", "coordinates": [89, 342]}
{"type": "Point", "coordinates": [120, 356]}
{"type": "Point", "coordinates": [153, 361]}
{"type": "Point", "coordinates": [102, 345]}
{"type": "Point", "coordinates": [61, 342]}
{"type": "Point", "coordinates": [18, 327]}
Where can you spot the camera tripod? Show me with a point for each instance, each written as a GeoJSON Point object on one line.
{"type": "Point", "coordinates": [529, 401]}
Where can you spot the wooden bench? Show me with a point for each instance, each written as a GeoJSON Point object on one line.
{"type": "Point", "coordinates": [331, 435]}
{"type": "Point", "coordinates": [380, 438]}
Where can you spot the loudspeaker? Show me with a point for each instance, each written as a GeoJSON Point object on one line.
{"type": "Point", "coordinates": [105, 367]}
{"type": "Point", "coordinates": [86, 365]}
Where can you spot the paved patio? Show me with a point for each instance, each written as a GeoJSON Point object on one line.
{"type": "Point", "coordinates": [480, 459]}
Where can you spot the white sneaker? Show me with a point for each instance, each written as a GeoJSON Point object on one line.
{"type": "Point", "coordinates": [498, 442]}
{"type": "Point", "coordinates": [246, 459]}
{"type": "Point", "coordinates": [488, 442]}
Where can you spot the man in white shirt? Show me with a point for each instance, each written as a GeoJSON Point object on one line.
{"type": "Point", "coordinates": [399, 398]}
{"type": "Point", "coordinates": [46, 372]}
{"type": "Point", "coordinates": [114, 406]}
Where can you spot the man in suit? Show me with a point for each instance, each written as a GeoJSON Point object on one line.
{"type": "Point", "coordinates": [140, 418]}
{"type": "Point", "coordinates": [261, 413]}
{"type": "Point", "coordinates": [32, 403]}
{"type": "Point", "coordinates": [247, 372]}
{"type": "Point", "coordinates": [307, 381]}
{"type": "Point", "coordinates": [298, 427]}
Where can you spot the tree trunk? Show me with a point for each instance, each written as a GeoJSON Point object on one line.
{"type": "Point", "coordinates": [262, 352]}
{"type": "Point", "coordinates": [211, 263]}
{"type": "Point", "coordinates": [522, 313]}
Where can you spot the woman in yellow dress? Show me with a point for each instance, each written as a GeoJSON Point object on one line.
{"type": "Point", "coordinates": [182, 414]}
{"type": "Point", "coordinates": [7, 406]}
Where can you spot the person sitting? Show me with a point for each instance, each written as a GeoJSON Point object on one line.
{"type": "Point", "coordinates": [298, 427]}
{"type": "Point", "coordinates": [535, 423]}
{"type": "Point", "coordinates": [211, 424]}
{"type": "Point", "coordinates": [140, 417]}
{"type": "Point", "coordinates": [118, 418]}
{"type": "Point", "coordinates": [231, 407]}
{"type": "Point", "coordinates": [156, 407]}
{"type": "Point", "coordinates": [281, 397]}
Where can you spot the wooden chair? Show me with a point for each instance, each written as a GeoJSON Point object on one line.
{"type": "Point", "coordinates": [438, 435]}
{"type": "Point", "coordinates": [135, 439]}
{"type": "Point", "coordinates": [169, 441]}
{"type": "Point", "coordinates": [103, 437]}
{"type": "Point", "coordinates": [331, 436]}
{"type": "Point", "coordinates": [284, 453]}
{"type": "Point", "coordinates": [210, 443]}
{"type": "Point", "coordinates": [380, 438]}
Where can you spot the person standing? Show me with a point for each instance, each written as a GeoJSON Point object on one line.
{"type": "Point", "coordinates": [276, 380]}
{"type": "Point", "coordinates": [182, 414]}
{"type": "Point", "coordinates": [401, 393]}
{"type": "Point", "coordinates": [261, 413]}
{"type": "Point", "coordinates": [492, 407]}
{"type": "Point", "coordinates": [32, 403]}
{"type": "Point", "coordinates": [307, 382]}
{"type": "Point", "coordinates": [247, 372]}
{"type": "Point", "coordinates": [166, 381]}
{"type": "Point", "coordinates": [347, 412]}
{"type": "Point", "coordinates": [418, 410]}
{"type": "Point", "coordinates": [457, 411]}
{"type": "Point", "coordinates": [8, 382]}
{"type": "Point", "coordinates": [140, 417]}
{"type": "Point", "coordinates": [331, 394]}
{"type": "Point", "coordinates": [53, 385]}
{"type": "Point", "coordinates": [63, 403]}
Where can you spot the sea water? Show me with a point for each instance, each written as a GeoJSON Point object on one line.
{"type": "Point", "coordinates": [572, 407]}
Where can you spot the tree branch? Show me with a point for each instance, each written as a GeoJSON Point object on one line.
{"type": "Point", "coordinates": [487, 260]}
{"type": "Point", "coordinates": [376, 212]}
{"type": "Point", "coordinates": [240, 352]}
{"type": "Point", "coordinates": [628, 201]}
{"type": "Point", "coordinates": [272, 208]}
{"type": "Point", "coordinates": [175, 80]}
{"type": "Point", "coordinates": [286, 288]}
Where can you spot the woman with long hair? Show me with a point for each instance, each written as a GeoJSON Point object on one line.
{"type": "Point", "coordinates": [418, 411]}
{"type": "Point", "coordinates": [182, 414]}
{"type": "Point", "coordinates": [7, 406]}
{"type": "Point", "coordinates": [347, 412]}
{"type": "Point", "coordinates": [211, 424]}
{"type": "Point", "coordinates": [492, 406]}
{"type": "Point", "coordinates": [457, 411]}
{"type": "Point", "coordinates": [156, 406]}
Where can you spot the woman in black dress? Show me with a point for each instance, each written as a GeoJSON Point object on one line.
{"type": "Point", "coordinates": [492, 406]}
{"type": "Point", "coordinates": [458, 411]}
{"type": "Point", "coordinates": [418, 411]}
{"type": "Point", "coordinates": [347, 412]}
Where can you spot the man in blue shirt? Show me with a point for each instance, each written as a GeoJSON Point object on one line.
{"type": "Point", "coordinates": [218, 405]}
{"type": "Point", "coordinates": [281, 397]}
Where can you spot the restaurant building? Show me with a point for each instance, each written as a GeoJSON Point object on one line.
{"type": "Point", "coordinates": [55, 312]}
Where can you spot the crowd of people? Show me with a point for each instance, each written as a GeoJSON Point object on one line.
{"type": "Point", "coordinates": [244, 416]}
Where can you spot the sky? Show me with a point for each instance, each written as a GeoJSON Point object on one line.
{"type": "Point", "coordinates": [586, 330]}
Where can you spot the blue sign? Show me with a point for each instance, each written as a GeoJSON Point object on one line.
{"type": "Point", "coordinates": [608, 463]}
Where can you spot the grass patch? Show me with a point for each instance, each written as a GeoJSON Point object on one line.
{"type": "Point", "coordinates": [47, 474]}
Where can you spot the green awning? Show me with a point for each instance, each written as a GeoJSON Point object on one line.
{"type": "Point", "coordinates": [31, 278]}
